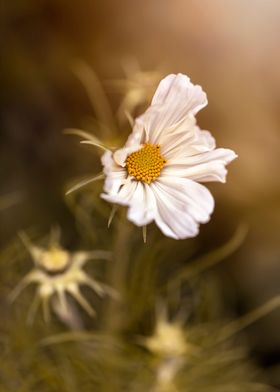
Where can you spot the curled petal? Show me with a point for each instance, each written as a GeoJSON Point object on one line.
{"type": "Point", "coordinates": [124, 194]}
{"type": "Point", "coordinates": [137, 135]}
{"type": "Point", "coordinates": [174, 100]}
{"type": "Point", "coordinates": [115, 174]}
{"type": "Point", "coordinates": [178, 88]}
{"type": "Point", "coordinates": [121, 154]}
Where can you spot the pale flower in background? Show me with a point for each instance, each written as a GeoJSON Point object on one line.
{"type": "Point", "coordinates": [169, 344]}
{"type": "Point", "coordinates": [168, 340]}
{"type": "Point", "coordinates": [58, 272]}
{"type": "Point", "coordinates": [157, 173]}
{"type": "Point", "coordinates": [137, 86]}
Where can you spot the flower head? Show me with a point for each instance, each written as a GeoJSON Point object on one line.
{"type": "Point", "coordinates": [169, 346]}
{"type": "Point", "coordinates": [137, 86]}
{"type": "Point", "coordinates": [58, 272]}
{"type": "Point", "coordinates": [158, 172]}
{"type": "Point", "coordinates": [168, 340]}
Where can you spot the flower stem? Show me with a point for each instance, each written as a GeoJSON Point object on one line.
{"type": "Point", "coordinates": [118, 273]}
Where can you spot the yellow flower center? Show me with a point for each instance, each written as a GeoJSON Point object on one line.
{"type": "Point", "coordinates": [168, 340]}
{"type": "Point", "coordinates": [145, 164]}
{"type": "Point", "coordinates": [54, 260]}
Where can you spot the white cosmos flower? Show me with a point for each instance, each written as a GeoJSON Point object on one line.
{"type": "Point", "coordinates": [157, 173]}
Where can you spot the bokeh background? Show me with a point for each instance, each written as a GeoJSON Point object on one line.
{"type": "Point", "coordinates": [229, 47]}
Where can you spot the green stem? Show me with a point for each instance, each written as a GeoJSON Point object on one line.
{"type": "Point", "coordinates": [118, 273]}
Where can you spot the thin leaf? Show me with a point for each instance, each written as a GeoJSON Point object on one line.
{"type": "Point", "coordinates": [85, 182]}
{"type": "Point", "coordinates": [249, 318]}
{"type": "Point", "coordinates": [207, 261]}
{"type": "Point", "coordinates": [96, 94]}
{"type": "Point", "coordinates": [87, 136]}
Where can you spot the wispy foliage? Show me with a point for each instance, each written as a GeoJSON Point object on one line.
{"type": "Point", "coordinates": [165, 331]}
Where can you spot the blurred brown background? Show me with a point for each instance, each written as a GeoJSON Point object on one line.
{"type": "Point", "coordinates": [230, 47]}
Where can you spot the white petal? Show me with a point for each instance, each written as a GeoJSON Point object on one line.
{"type": "Point", "coordinates": [172, 221]}
{"type": "Point", "coordinates": [121, 154]}
{"type": "Point", "coordinates": [115, 174]}
{"type": "Point", "coordinates": [175, 99]}
{"type": "Point", "coordinates": [107, 160]}
{"type": "Point", "coordinates": [114, 181]}
{"type": "Point", "coordinates": [181, 205]}
{"type": "Point", "coordinates": [137, 135]}
{"type": "Point", "coordinates": [196, 198]}
{"type": "Point", "coordinates": [180, 134]}
{"type": "Point", "coordinates": [142, 205]}
{"type": "Point", "coordinates": [204, 167]}
{"type": "Point", "coordinates": [178, 88]}
{"type": "Point", "coordinates": [203, 141]}
{"type": "Point", "coordinates": [185, 138]}
{"type": "Point", "coordinates": [124, 194]}
{"type": "Point", "coordinates": [134, 143]}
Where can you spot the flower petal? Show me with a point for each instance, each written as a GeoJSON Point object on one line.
{"type": "Point", "coordinates": [123, 195]}
{"type": "Point", "coordinates": [204, 167]}
{"type": "Point", "coordinates": [137, 135]}
{"type": "Point", "coordinates": [121, 154]}
{"type": "Point", "coordinates": [175, 98]}
{"type": "Point", "coordinates": [203, 141]}
{"type": "Point", "coordinates": [178, 88]}
{"type": "Point", "coordinates": [185, 139]}
{"type": "Point", "coordinates": [181, 205]}
{"type": "Point", "coordinates": [172, 222]}
{"type": "Point", "coordinates": [115, 174]}
{"type": "Point", "coordinates": [142, 205]}
{"type": "Point", "coordinates": [196, 198]}
{"type": "Point", "coordinates": [133, 143]}
{"type": "Point", "coordinates": [177, 137]}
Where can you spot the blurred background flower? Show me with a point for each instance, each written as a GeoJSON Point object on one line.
{"type": "Point", "coordinates": [230, 48]}
{"type": "Point", "coordinates": [58, 272]}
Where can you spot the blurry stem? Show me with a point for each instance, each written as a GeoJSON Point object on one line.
{"type": "Point", "coordinates": [96, 95]}
{"type": "Point", "coordinates": [144, 233]}
{"type": "Point", "coordinates": [207, 261]}
{"type": "Point", "coordinates": [249, 318]}
{"type": "Point", "coordinates": [166, 372]}
{"type": "Point", "coordinates": [117, 273]}
{"type": "Point", "coordinates": [204, 262]}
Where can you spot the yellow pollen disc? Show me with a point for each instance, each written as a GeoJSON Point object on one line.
{"type": "Point", "coordinates": [54, 259]}
{"type": "Point", "coordinates": [145, 164]}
